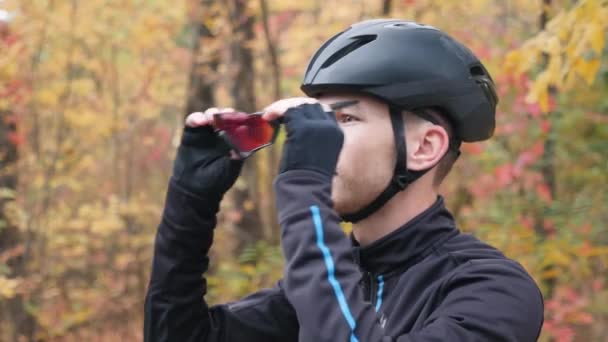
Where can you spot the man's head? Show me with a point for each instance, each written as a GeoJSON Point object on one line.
{"type": "Point", "coordinates": [420, 93]}
{"type": "Point", "coordinates": [367, 160]}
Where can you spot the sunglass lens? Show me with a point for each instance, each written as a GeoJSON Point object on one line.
{"type": "Point", "coordinates": [247, 132]}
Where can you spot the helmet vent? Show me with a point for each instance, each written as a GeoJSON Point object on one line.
{"type": "Point", "coordinates": [316, 55]}
{"type": "Point", "coordinates": [409, 25]}
{"type": "Point", "coordinates": [477, 70]}
{"type": "Point", "coordinates": [357, 43]}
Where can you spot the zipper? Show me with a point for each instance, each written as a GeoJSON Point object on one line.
{"type": "Point", "coordinates": [372, 288]}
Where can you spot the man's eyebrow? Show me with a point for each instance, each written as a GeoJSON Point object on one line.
{"type": "Point", "coordinates": [343, 104]}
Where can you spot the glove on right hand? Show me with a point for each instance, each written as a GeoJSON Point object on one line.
{"type": "Point", "coordinates": [314, 140]}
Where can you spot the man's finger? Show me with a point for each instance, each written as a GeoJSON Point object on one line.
{"type": "Point", "coordinates": [234, 155]}
{"type": "Point", "coordinates": [215, 110]}
{"type": "Point", "coordinates": [205, 118]}
{"type": "Point", "coordinates": [196, 119]}
{"type": "Point", "coordinates": [278, 108]}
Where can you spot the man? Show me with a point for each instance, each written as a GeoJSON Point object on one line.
{"type": "Point", "coordinates": [410, 94]}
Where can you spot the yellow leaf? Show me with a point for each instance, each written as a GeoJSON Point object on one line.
{"type": "Point", "coordinates": [83, 87]}
{"type": "Point", "coordinates": [557, 257]}
{"type": "Point", "coordinates": [551, 273]}
{"type": "Point", "coordinates": [561, 24]}
{"type": "Point", "coordinates": [47, 98]}
{"type": "Point", "coordinates": [596, 37]}
{"type": "Point", "coordinates": [551, 46]}
{"type": "Point", "coordinates": [554, 70]}
{"type": "Point", "coordinates": [539, 92]}
{"type": "Point", "coordinates": [512, 60]}
{"type": "Point", "coordinates": [248, 205]}
{"type": "Point", "coordinates": [587, 69]}
{"type": "Point", "coordinates": [596, 251]}
{"type": "Point", "coordinates": [107, 226]}
{"type": "Point", "coordinates": [8, 287]}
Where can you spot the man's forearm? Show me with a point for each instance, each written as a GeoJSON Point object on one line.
{"type": "Point", "coordinates": [174, 308]}
{"type": "Point", "coordinates": [321, 279]}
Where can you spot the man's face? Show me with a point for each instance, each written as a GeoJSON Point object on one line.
{"type": "Point", "coordinates": [367, 160]}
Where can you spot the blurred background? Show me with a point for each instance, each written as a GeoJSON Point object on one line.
{"type": "Point", "coordinates": [92, 100]}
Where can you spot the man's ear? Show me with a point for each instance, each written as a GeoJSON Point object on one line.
{"type": "Point", "coordinates": [427, 143]}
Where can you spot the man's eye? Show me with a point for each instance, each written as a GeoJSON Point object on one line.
{"type": "Point", "coordinates": [346, 118]}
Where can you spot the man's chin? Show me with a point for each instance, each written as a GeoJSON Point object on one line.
{"type": "Point", "coordinates": [339, 210]}
{"type": "Point", "coordinates": [338, 204]}
{"type": "Point", "coordinates": [342, 199]}
{"type": "Point", "coordinates": [342, 207]}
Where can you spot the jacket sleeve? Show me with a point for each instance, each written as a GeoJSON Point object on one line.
{"type": "Point", "coordinates": [175, 309]}
{"type": "Point", "coordinates": [321, 280]}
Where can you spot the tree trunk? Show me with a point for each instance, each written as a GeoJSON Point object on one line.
{"type": "Point", "coordinates": [271, 45]}
{"type": "Point", "coordinates": [386, 7]}
{"type": "Point", "coordinates": [200, 89]}
{"type": "Point", "coordinates": [548, 169]}
{"type": "Point", "coordinates": [548, 158]}
{"type": "Point", "coordinates": [15, 316]}
{"type": "Point", "coordinates": [23, 324]}
{"type": "Point", "coordinates": [267, 161]}
{"type": "Point", "coordinates": [242, 90]}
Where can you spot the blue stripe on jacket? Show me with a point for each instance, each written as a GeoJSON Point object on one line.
{"type": "Point", "coordinates": [380, 290]}
{"type": "Point", "coordinates": [329, 263]}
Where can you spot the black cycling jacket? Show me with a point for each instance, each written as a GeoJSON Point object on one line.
{"type": "Point", "coordinates": [425, 281]}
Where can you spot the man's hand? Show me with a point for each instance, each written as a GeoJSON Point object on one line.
{"type": "Point", "coordinates": [204, 165]}
{"type": "Point", "coordinates": [278, 108]}
{"type": "Point", "coordinates": [314, 139]}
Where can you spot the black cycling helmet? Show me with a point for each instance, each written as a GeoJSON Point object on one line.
{"type": "Point", "coordinates": [409, 66]}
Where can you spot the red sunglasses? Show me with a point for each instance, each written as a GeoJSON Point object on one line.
{"type": "Point", "coordinates": [247, 133]}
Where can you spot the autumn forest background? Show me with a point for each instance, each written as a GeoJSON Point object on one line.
{"type": "Point", "coordinates": [92, 100]}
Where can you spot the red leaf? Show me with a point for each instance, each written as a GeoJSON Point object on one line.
{"type": "Point", "coordinates": [528, 157]}
{"type": "Point", "coordinates": [597, 117]}
{"type": "Point", "coordinates": [584, 318]}
{"type": "Point", "coordinates": [483, 186]}
{"type": "Point", "coordinates": [10, 119]}
{"type": "Point", "coordinates": [552, 103]}
{"type": "Point", "coordinates": [527, 222]}
{"type": "Point", "coordinates": [569, 294]}
{"type": "Point", "coordinates": [483, 52]}
{"type": "Point", "coordinates": [585, 248]}
{"type": "Point", "coordinates": [545, 126]}
{"type": "Point", "coordinates": [534, 109]}
{"type": "Point", "coordinates": [597, 285]}
{"type": "Point", "coordinates": [523, 83]}
{"type": "Point", "coordinates": [472, 149]}
{"type": "Point", "coordinates": [544, 192]}
{"type": "Point", "coordinates": [584, 229]}
{"type": "Point", "coordinates": [549, 227]}
{"type": "Point", "coordinates": [565, 334]}
{"type": "Point", "coordinates": [504, 175]}
{"type": "Point", "coordinates": [15, 138]}
{"type": "Point", "coordinates": [538, 149]}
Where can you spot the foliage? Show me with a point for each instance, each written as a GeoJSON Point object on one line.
{"type": "Point", "coordinates": [100, 83]}
{"type": "Point", "coordinates": [97, 90]}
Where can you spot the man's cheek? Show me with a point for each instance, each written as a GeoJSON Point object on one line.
{"type": "Point", "coordinates": [342, 160]}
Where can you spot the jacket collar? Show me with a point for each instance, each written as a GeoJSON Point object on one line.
{"type": "Point", "coordinates": [409, 244]}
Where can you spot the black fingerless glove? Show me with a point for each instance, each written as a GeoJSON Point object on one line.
{"type": "Point", "coordinates": [314, 140]}
{"type": "Point", "coordinates": [203, 165]}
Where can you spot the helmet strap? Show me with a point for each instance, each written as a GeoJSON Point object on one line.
{"type": "Point", "coordinates": [402, 177]}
